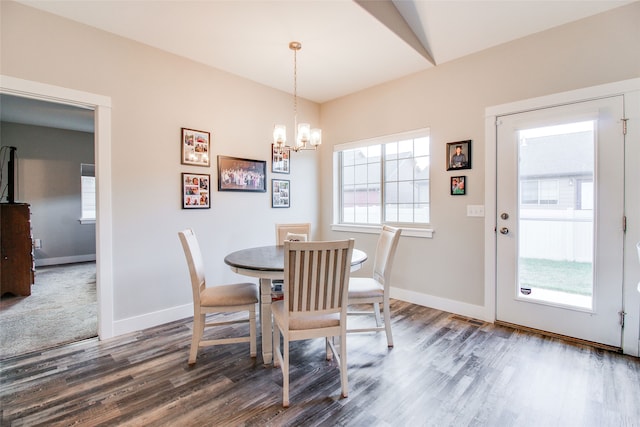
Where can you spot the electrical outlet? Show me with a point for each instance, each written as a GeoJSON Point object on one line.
{"type": "Point", "coordinates": [475, 210]}
{"type": "Point", "coordinates": [37, 244]}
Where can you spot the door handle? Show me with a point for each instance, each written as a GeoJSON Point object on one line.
{"type": "Point", "coordinates": [504, 230]}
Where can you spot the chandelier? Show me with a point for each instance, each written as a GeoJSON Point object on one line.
{"type": "Point", "coordinates": [305, 138]}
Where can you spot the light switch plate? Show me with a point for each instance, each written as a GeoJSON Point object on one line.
{"type": "Point", "coordinates": [475, 210]}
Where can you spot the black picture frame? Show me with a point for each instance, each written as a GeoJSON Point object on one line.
{"type": "Point", "coordinates": [195, 146]}
{"type": "Point", "coordinates": [280, 193]}
{"type": "Point", "coordinates": [237, 174]}
{"type": "Point", "coordinates": [459, 160]}
{"type": "Point", "coordinates": [280, 161]}
{"type": "Point", "coordinates": [458, 185]}
{"type": "Point", "coordinates": [196, 191]}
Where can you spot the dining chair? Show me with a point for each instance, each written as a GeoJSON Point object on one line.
{"type": "Point", "coordinates": [296, 232]}
{"type": "Point", "coordinates": [316, 280]}
{"type": "Point", "coordinates": [236, 297]}
{"type": "Point", "coordinates": [292, 230]}
{"type": "Point", "coordinates": [375, 290]}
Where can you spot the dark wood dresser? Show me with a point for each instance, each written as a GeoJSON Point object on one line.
{"type": "Point", "coordinates": [17, 268]}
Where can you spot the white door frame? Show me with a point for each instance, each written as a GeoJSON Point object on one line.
{"type": "Point", "coordinates": [104, 244]}
{"type": "Point", "coordinates": [631, 298]}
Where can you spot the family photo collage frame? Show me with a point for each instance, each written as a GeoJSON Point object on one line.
{"type": "Point", "coordinates": [234, 173]}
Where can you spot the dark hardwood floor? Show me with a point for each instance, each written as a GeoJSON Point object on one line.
{"type": "Point", "coordinates": [444, 370]}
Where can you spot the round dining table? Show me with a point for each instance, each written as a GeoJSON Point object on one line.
{"type": "Point", "coordinates": [267, 264]}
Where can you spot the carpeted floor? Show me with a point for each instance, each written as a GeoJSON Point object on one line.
{"type": "Point", "coordinates": [62, 308]}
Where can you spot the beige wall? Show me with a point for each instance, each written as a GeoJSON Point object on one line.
{"type": "Point", "coordinates": [451, 99]}
{"type": "Point", "coordinates": [153, 94]}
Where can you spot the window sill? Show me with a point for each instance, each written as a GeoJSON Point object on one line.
{"type": "Point", "coordinates": [424, 233]}
{"type": "Point", "coordinates": [86, 221]}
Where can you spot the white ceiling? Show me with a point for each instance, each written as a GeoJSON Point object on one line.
{"type": "Point", "coordinates": [344, 48]}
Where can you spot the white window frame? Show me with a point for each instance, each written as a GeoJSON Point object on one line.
{"type": "Point", "coordinates": [409, 228]}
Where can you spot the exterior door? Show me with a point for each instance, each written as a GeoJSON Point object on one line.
{"type": "Point", "coordinates": [559, 253]}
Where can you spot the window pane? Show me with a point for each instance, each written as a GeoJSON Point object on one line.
{"type": "Point", "coordinates": [348, 158]}
{"type": "Point", "coordinates": [405, 149]}
{"type": "Point", "coordinates": [348, 174]}
{"type": "Point", "coordinates": [405, 213]}
{"type": "Point", "coordinates": [391, 150]}
{"type": "Point", "coordinates": [529, 192]}
{"type": "Point", "coordinates": [405, 192]}
{"type": "Point", "coordinates": [405, 170]}
{"type": "Point", "coordinates": [549, 192]}
{"type": "Point", "coordinates": [374, 214]}
{"type": "Point", "coordinates": [421, 191]}
{"type": "Point", "coordinates": [391, 170]}
{"type": "Point", "coordinates": [373, 174]}
{"type": "Point", "coordinates": [374, 153]}
{"type": "Point", "coordinates": [391, 212]}
{"type": "Point", "coordinates": [373, 195]}
{"type": "Point", "coordinates": [421, 147]}
{"type": "Point", "coordinates": [391, 192]}
{"type": "Point", "coordinates": [361, 174]}
{"type": "Point", "coordinates": [421, 169]}
{"type": "Point", "coordinates": [360, 155]}
{"type": "Point", "coordinates": [88, 197]}
{"type": "Point", "coordinates": [87, 191]}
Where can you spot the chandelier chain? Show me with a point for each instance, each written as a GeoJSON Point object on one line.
{"type": "Point", "coordinates": [295, 92]}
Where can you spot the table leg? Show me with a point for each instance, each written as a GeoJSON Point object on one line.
{"type": "Point", "coordinates": [265, 321]}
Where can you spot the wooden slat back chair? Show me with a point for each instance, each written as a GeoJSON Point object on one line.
{"type": "Point", "coordinates": [297, 230]}
{"type": "Point", "coordinates": [216, 299]}
{"type": "Point", "coordinates": [375, 290]}
{"type": "Point", "coordinates": [315, 302]}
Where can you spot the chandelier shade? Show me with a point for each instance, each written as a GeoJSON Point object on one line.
{"type": "Point", "coordinates": [305, 138]}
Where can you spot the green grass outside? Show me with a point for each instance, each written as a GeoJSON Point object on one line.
{"type": "Point", "coordinates": [563, 276]}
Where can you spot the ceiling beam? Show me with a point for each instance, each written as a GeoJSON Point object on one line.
{"type": "Point", "coordinates": [387, 13]}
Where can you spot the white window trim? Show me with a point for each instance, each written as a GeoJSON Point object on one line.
{"type": "Point", "coordinates": [407, 231]}
{"type": "Point", "coordinates": [425, 233]}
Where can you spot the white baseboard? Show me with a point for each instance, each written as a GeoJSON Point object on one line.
{"type": "Point", "coordinates": [148, 320]}
{"type": "Point", "coordinates": [156, 318]}
{"type": "Point", "coordinates": [461, 308]}
{"type": "Point", "coordinates": [64, 260]}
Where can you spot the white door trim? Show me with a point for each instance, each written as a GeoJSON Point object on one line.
{"type": "Point", "coordinates": [631, 91]}
{"type": "Point", "coordinates": [102, 107]}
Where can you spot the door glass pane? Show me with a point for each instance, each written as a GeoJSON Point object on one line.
{"type": "Point", "coordinates": [555, 218]}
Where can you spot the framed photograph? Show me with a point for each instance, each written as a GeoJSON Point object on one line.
{"type": "Point", "coordinates": [195, 147]}
{"type": "Point", "coordinates": [459, 155]}
{"type": "Point", "coordinates": [235, 174]}
{"type": "Point", "coordinates": [458, 184]}
{"type": "Point", "coordinates": [280, 189]}
{"type": "Point", "coordinates": [196, 189]}
{"type": "Point", "coordinates": [279, 161]}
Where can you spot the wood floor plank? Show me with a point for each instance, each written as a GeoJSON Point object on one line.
{"type": "Point", "coordinates": [444, 370]}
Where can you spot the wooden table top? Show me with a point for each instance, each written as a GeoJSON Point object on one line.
{"type": "Point", "coordinates": [271, 258]}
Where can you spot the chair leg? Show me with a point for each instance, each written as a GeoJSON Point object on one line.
{"type": "Point", "coordinates": [252, 332]}
{"type": "Point", "coordinates": [328, 348]}
{"type": "Point", "coordinates": [285, 375]}
{"type": "Point", "coordinates": [376, 310]}
{"type": "Point", "coordinates": [387, 323]}
{"type": "Point", "coordinates": [343, 365]}
{"type": "Point", "coordinates": [276, 345]}
{"type": "Point", "coordinates": [196, 336]}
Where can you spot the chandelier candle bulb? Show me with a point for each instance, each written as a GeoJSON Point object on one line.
{"type": "Point", "coordinates": [279, 134]}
